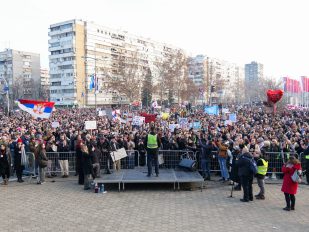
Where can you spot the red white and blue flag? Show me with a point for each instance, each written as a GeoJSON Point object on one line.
{"type": "Point", "coordinates": [291, 85]}
{"type": "Point", "coordinates": [38, 109]}
{"type": "Point", "coordinates": [305, 83]}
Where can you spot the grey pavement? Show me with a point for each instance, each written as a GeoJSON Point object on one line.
{"type": "Point", "coordinates": [64, 206]}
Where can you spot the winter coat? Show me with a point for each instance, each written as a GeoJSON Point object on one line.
{"type": "Point", "coordinates": [63, 150]}
{"type": "Point", "coordinates": [5, 161]}
{"type": "Point", "coordinates": [243, 165]}
{"type": "Point", "coordinates": [17, 157]}
{"type": "Point", "coordinates": [206, 149]}
{"type": "Point", "coordinates": [222, 151]}
{"type": "Point", "coordinates": [87, 163]}
{"type": "Point", "coordinates": [288, 186]}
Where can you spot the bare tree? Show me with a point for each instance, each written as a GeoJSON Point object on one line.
{"type": "Point", "coordinates": [172, 72]}
{"type": "Point", "coordinates": [127, 75]}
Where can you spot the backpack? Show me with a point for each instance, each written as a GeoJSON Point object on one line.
{"type": "Point", "coordinates": [253, 165]}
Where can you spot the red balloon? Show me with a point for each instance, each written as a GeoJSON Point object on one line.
{"type": "Point", "coordinates": [274, 95]}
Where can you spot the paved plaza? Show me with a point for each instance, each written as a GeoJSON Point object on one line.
{"type": "Point", "coordinates": [64, 206]}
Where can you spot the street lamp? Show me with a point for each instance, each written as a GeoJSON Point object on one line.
{"type": "Point", "coordinates": [95, 73]}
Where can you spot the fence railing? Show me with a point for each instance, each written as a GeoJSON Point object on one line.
{"type": "Point", "coordinates": [167, 159]}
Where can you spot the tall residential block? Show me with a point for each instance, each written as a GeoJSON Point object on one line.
{"type": "Point", "coordinates": [45, 86]}
{"type": "Point", "coordinates": [79, 49]}
{"type": "Point", "coordinates": [21, 71]}
{"type": "Point", "coordinates": [254, 73]}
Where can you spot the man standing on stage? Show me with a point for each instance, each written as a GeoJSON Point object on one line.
{"type": "Point", "coordinates": [152, 143]}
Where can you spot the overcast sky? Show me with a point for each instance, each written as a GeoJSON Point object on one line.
{"type": "Point", "coordinates": [273, 32]}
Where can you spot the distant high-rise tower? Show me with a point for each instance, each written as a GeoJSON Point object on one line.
{"type": "Point", "coordinates": [253, 74]}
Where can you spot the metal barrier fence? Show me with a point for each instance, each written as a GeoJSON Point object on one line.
{"type": "Point", "coordinates": [53, 165]}
{"type": "Point", "coordinates": [167, 159]}
{"type": "Point", "coordinates": [171, 158]}
{"type": "Point", "coordinates": [275, 161]}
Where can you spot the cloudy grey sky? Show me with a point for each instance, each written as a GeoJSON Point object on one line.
{"type": "Point", "coordinates": [273, 32]}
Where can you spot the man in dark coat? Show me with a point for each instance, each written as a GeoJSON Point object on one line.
{"type": "Point", "coordinates": [5, 163]}
{"type": "Point", "coordinates": [64, 152]}
{"type": "Point", "coordinates": [18, 161]}
{"type": "Point", "coordinates": [153, 143]}
{"type": "Point", "coordinates": [206, 149]}
{"type": "Point", "coordinates": [245, 174]}
{"type": "Point", "coordinates": [104, 147]}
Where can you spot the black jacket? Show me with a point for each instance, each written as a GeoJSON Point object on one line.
{"type": "Point", "coordinates": [63, 150]}
{"type": "Point", "coordinates": [206, 149]}
{"type": "Point", "coordinates": [243, 165]}
{"type": "Point", "coordinates": [87, 163]}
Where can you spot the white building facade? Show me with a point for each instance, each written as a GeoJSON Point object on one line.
{"type": "Point", "coordinates": [20, 70]}
{"type": "Point", "coordinates": [80, 49]}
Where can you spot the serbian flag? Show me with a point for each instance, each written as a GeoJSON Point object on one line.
{"type": "Point", "coordinates": [305, 83]}
{"type": "Point", "coordinates": [291, 85]}
{"type": "Point", "coordinates": [38, 109]}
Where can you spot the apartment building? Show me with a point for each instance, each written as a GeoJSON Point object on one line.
{"type": "Point", "coordinates": [80, 49]}
{"type": "Point", "coordinates": [254, 73]}
{"type": "Point", "coordinates": [21, 71]}
{"type": "Point", "coordinates": [45, 86]}
{"type": "Point", "coordinates": [221, 81]}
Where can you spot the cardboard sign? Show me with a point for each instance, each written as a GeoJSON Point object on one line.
{"type": "Point", "coordinates": [138, 121]}
{"type": "Point", "coordinates": [225, 111]}
{"type": "Point", "coordinates": [196, 125]}
{"type": "Point", "coordinates": [183, 121]}
{"type": "Point", "coordinates": [211, 110]}
{"type": "Point", "coordinates": [55, 124]}
{"type": "Point", "coordinates": [102, 113]}
{"type": "Point", "coordinates": [233, 117]}
{"type": "Point", "coordinates": [173, 126]}
{"type": "Point", "coordinates": [119, 154]}
{"type": "Point", "coordinates": [90, 125]}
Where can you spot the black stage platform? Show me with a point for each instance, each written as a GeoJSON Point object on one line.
{"type": "Point", "coordinates": [138, 175]}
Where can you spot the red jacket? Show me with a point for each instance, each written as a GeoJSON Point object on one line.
{"type": "Point", "coordinates": [288, 186]}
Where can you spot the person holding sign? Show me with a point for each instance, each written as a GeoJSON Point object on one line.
{"type": "Point", "coordinates": [114, 147]}
{"type": "Point", "coordinates": [152, 143]}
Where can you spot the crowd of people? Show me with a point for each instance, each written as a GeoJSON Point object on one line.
{"type": "Point", "coordinates": [255, 133]}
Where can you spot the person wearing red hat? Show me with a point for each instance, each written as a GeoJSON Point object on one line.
{"type": "Point", "coordinates": [19, 159]}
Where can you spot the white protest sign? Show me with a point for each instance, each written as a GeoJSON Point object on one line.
{"type": "Point", "coordinates": [119, 154]}
{"type": "Point", "coordinates": [138, 120]}
{"type": "Point", "coordinates": [55, 124]}
{"type": "Point", "coordinates": [173, 126]}
{"type": "Point", "coordinates": [102, 113]}
{"type": "Point", "coordinates": [90, 125]}
{"type": "Point", "coordinates": [225, 110]}
{"type": "Point", "coordinates": [233, 117]}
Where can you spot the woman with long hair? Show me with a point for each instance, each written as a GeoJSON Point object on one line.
{"type": "Point", "coordinates": [87, 166]}
{"type": "Point", "coordinates": [42, 161]}
{"type": "Point", "coordinates": [5, 163]}
{"type": "Point", "coordinates": [289, 187]}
